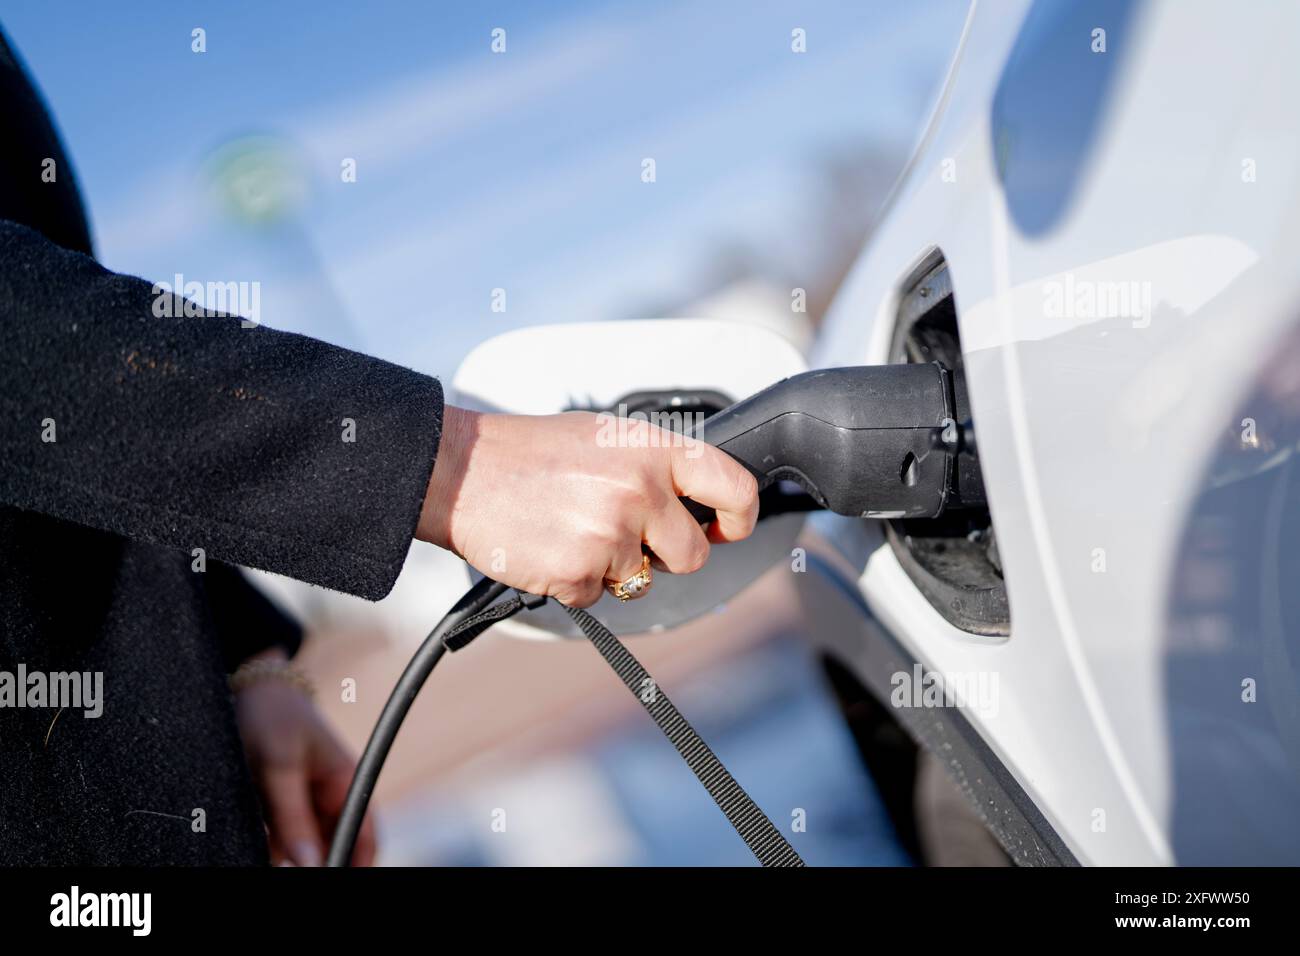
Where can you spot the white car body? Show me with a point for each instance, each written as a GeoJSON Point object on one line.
{"type": "Point", "coordinates": [1098, 423]}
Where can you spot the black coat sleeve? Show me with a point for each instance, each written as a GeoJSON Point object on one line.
{"type": "Point", "coordinates": [264, 448]}
{"type": "Point", "coordinates": [246, 620]}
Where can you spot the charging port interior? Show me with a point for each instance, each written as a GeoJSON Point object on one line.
{"type": "Point", "coordinates": [953, 560]}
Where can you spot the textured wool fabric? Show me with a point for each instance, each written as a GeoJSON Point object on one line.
{"type": "Point", "coordinates": [128, 441]}
{"type": "Point", "coordinates": [263, 448]}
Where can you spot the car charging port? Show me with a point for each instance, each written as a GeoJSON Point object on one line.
{"type": "Point", "coordinates": [952, 558]}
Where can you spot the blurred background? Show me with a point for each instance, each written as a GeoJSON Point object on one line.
{"type": "Point", "coordinates": [379, 171]}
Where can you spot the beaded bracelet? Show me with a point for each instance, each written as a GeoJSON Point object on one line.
{"type": "Point", "coordinates": [259, 669]}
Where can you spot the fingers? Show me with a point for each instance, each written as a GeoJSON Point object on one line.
{"type": "Point", "coordinates": [330, 792]}
{"type": "Point", "coordinates": [582, 592]}
{"type": "Point", "coordinates": [627, 562]}
{"type": "Point", "coordinates": [714, 478]}
{"type": "Point", "coordinates": [677, 539]}
{"type": "Point", "coordinates": [716, 533]}
{"type": "Point", "coordinates": [289, 809]}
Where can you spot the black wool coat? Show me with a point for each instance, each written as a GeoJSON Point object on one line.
{"type": "Point", "coordinates": [128, 441]}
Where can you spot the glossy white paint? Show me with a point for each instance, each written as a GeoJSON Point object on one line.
{"type": "Point", "coordinates": [1095, 430]}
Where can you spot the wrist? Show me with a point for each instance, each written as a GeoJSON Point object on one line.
{"type": "Point", "coordinates": [267, 666]}
{"type": "Point", "coordinates": [459, 431]}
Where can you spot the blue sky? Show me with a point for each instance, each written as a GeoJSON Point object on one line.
{"type": "Point", "coordinates": [475, 170]}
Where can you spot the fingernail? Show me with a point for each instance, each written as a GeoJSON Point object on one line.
{"type": "Point", "coordinates": [306, 853]}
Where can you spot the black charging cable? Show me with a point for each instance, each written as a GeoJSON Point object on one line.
{"type": "Point", "coordinates": [480, 608]}
{"type": "Point", "coordinates": [480, 596]}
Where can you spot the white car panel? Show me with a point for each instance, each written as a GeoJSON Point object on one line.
{"type": "Point", "coordinates": [1096, 425]}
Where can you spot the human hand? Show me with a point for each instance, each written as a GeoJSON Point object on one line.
{"type": "Point", "coordinates": [548, 505]}
{"type": "Point", "coordinates": [300, 767]}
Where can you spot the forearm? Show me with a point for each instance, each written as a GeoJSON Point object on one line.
{"type": "Point", "coordinates": [262, 448]}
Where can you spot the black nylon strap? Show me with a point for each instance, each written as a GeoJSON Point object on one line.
{"type": "Point", "coordinates": [759, 833]}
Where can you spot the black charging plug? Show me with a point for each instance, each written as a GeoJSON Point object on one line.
{"type": "Point", "coordinates": [868, 441]}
